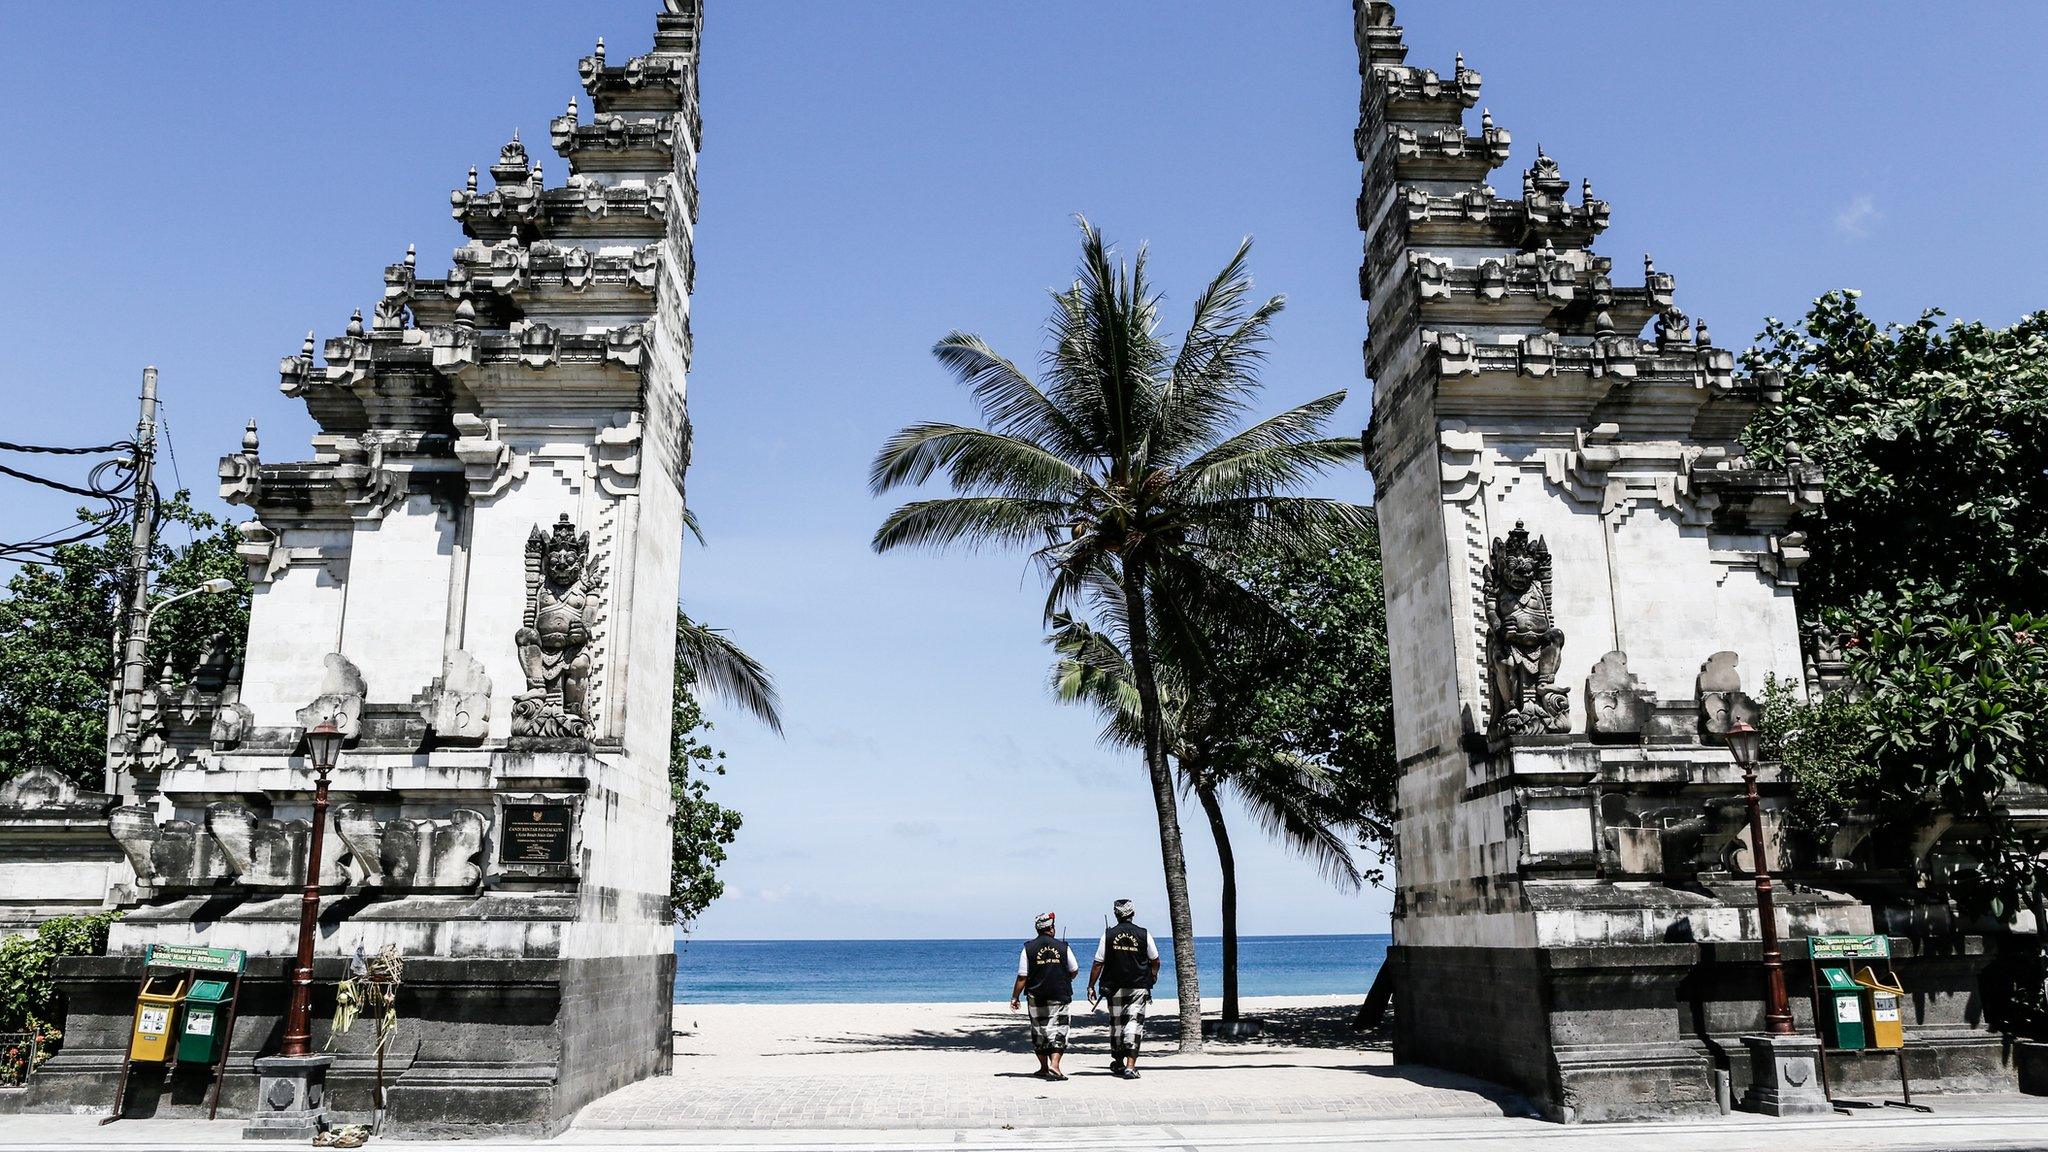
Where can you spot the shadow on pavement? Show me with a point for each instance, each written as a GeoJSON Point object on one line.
{"type": "Point", "coordinates": [1322, 1027]}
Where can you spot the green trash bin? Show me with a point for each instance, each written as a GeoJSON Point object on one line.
{"type": "Point", "coordinates": [1841, 1011]}
{"type": "Point", "coordinates": [204, 1034]}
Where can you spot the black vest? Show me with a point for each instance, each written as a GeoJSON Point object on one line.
{"type": "Point", "coordinates": [1046, 976]}
{"type": "Point", "coordinates": [1127, 965]}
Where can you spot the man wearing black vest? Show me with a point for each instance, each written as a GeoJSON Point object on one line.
{"type": "Point", "coordinates": [1045, 971]}
{"type": "Point", "coordinates": [1126, 966]}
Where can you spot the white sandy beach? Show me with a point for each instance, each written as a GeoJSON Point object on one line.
{"type": "Point", "coordinates": [939, 1065]}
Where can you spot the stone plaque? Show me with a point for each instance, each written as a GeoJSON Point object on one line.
{"type": "Point", "coordinates": [535, 834]}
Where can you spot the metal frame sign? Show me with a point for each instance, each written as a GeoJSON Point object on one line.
{"type": "Point", "coordinates": [197, 958]}
{"type": "Point", "coordinates": [1875, 947]}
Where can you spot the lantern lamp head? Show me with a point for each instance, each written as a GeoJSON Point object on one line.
{"type": "Point", "coordinates": [1743, 741]}
{"type": "Point", "coordinates": [323, 744]}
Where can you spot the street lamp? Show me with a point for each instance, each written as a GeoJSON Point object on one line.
{"type": "Point", "coordinates": [1742, 742]}
{"type": "Point", "coordinates": [134, 668]}
{"type": "Point", "coordinates": [323, 747]}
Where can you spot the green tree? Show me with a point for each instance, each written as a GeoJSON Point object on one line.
{"type": "Point", "coordinates": [58, 626]}
{"type": "Point", "coordinates": [1289, 795]}
{"type": "Point", "coordinates": [1927, 564]}
{"type": "Point", "coordinates": [1293, 716]}
{"type": "Point", "coordinates": [1322, 689]}
{"type": "Point", "coordinates": [703, 828]}
{"type": "Point", "coordinates": [1130, 478]}
{"type": "Point", "coordinates": [1937, 474]}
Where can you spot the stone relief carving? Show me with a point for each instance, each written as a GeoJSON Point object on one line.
{"type": "Point", "coordinates": [43, 792]}
{"type": "Point", "coordinates": [618, 458]}
{"type": "Point", "coordinates": [1524, 644]}
{"type": "Point", "coordinates": [1721, 698]}
{"type": "Point", "coordinates": [340, 699]}
{"type": "Point", "coordinates": [362, 839]}
{"type": "Point", "coordinates": [441, 853]}
{"type": "Point", "coordinates": [133, 827]}
{"type": "Point", "coordinates": [1617, 704]}
{"type": "Point", "coordinates": [261, 853]}
{"type": "Point", "coordinates": [457, 704]}
{"type": "Point", "coordinates": [562, 603]}
{"type": "Point", "coordinates": [183, 855]}
{"type": "Point", "coordinates": [488, 462]}
{"type": "Point", "coordinates": [435, 853]}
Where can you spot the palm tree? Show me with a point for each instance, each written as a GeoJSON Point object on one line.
{"type": "Point", "coordinates": [707, 657]}
{"type": "Point", "coordinates": [1288, 794]}
{"type": "Point", "coordinates": [1129, 478]}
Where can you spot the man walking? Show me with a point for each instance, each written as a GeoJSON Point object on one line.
{"type": "Point", "coordinates": [1045, 972]}
{"type": "Point", "coordinates": [1126, 966]}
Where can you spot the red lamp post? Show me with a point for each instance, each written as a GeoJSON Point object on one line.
{"type": "Point", "coordinates": [1743, 741]}
{"type": "Point", "coordinates": [323, 745]}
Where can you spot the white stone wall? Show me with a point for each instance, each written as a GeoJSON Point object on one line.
{"type": "Point", "coordinates": [295, 613]}
{"type": "Point", "coordinates": [394, 621]}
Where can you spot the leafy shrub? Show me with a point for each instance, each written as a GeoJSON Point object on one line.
{"type": "Point", "coordinates": [29, 1002]}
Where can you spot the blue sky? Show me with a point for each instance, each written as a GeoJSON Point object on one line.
{"type": "Point", "coordinates": [196, 185]}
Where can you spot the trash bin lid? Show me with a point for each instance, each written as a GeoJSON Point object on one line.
{"type": "Point", "coordinates": [1868, 978]}
{"type": "Point", "coordinates": [1838, 980]}
{"type": "Point", "coordinates": [212, 991]}
{"type": "Point", "coordinates": [164, 986]}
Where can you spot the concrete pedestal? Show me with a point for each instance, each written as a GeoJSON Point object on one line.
{"type": "Point", "coordinates": [291, 1098]}
{"type": "Point", "coordinates": [1784, 1076]}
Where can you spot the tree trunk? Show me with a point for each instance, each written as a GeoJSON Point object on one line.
{"type": "Point", "coordinates": [1179, 911]}
{"type": "Point", "coordinates": [1373, 1012]}
{"type": "Point", "coordinates": [1224, 857]}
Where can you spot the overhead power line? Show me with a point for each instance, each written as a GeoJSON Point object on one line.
{"type": "Point", "coordinates": [111, 481]}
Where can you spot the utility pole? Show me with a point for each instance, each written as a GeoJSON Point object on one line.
{"type": "Point", "coordinates": [142, 542]}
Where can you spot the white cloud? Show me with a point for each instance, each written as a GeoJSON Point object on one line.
{"type": "Point", "coordinates": [1857, 216]}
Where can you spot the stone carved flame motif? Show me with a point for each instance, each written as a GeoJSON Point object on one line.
{"type": "Point", "coordinates": [1524, 645]}
{"type": "Point", "coordinates": [562, 589]}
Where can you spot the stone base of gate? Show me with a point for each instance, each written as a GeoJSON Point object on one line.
{"type": "Point", "coordinates": [1634, 1032]}
{"type": "Point", "coordinates": [484, 1047]}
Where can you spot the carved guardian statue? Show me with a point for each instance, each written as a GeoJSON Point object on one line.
{"type": "Point", "coordinates": [561, 610]}
{"type": "Point", "coordinates": [1524, 645]}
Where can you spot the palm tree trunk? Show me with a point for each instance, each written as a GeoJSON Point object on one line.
{"type": "Point", "coordinates": [1179, 911]}
{"type": "Point", "coordinates": [1228, 861]}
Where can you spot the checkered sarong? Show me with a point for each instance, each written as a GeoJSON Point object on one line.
{"type": "Point", "coordinates": [1126, 1007]}
{"type": "Point", "coordinates": [1048, 1024]}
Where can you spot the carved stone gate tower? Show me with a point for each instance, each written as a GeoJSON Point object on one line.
{"type": "Point", "coordinates": [1585, 581]}
{"type": "Point", "coordinates": [475, 577]}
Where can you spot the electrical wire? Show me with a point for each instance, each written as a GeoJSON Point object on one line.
{"type": "Point", "coordinates": [110, 481]}
{"type": "Point", "coordinates": [177, 477]}
{"type": "Point", "coordinates": [125, 447]}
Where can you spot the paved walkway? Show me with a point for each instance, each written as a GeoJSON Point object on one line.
{"type": "Point", "coordinates": [911, 1078]}
{"type": "Point", "coordinates": [2002, 1122]}
{"type": "Point", "coordinates": [818, 1067]}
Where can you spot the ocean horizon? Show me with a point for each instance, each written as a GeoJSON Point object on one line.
{"type": "Point", "coordinates": [979, 971]}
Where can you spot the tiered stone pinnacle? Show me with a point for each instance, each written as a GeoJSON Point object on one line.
{"type": "Point", "coordinates": [1493, 286]}
{"type": "Point", "coordinates": [567, 274]}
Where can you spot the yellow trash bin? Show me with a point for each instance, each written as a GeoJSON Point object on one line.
{"type": "Point", "coordinates": [1881, 1008]}
{"type": "Point", "coordinates": [156, 1011]}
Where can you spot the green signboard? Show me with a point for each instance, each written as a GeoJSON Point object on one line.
{"type": "Point", "coordinates": [1849, 947]}
{"type": "Point", "coordinates": [195, 957]}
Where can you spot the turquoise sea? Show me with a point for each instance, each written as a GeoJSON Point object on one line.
{"type": "Point", "coordinates": [969, 971]}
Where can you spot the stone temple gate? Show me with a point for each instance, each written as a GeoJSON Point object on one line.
{"type": "Point", "coordinates": [475, 578]}
{"type": "Point", "coordinates": [1586, 582]}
